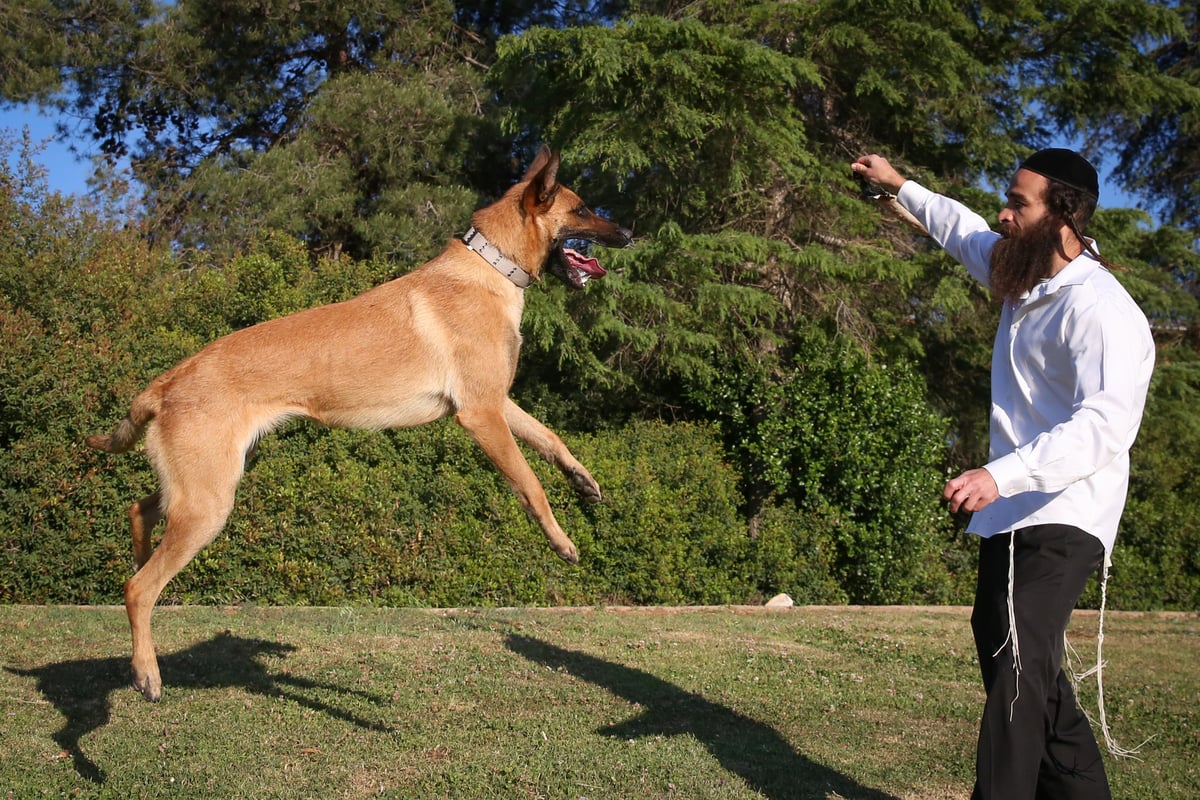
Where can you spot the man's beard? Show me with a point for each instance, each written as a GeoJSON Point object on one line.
{"type": "Point", "coordinates": [1020, 260]}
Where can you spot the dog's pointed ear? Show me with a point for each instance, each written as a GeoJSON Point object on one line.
{"type": "Point", "coordinates": [540, 160]}
{"type": "Point", "coordinates": [543, 181]}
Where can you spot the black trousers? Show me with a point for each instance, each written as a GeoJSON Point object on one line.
{"type": "Point", "coordinates": [1034, 741]}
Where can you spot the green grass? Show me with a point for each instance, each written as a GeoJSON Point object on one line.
{"type": "Point", "coordinates": [718, 703]}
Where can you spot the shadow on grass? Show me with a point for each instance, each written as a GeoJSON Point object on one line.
{"type": "Point", "coordinates": [81, 689]}
{"type": "Point", "coordinates": [744, 746]}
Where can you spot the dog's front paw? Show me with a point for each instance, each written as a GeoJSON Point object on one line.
{"type": "Point", "coordinates": [568, 552]}
{"type": "Point", "coordinates": [585, 485]}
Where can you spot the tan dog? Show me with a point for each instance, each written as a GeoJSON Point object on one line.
{"type": "Point", "coordinates": [440, 340]}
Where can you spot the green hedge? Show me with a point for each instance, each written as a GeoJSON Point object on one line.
{"type": "Point", "coordinates": [413, 517]}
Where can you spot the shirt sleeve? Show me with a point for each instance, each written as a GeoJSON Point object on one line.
{"type": "Point", "coordinates": [1113, 357]}
{"type": "Point", "coordinates": [961, 232]}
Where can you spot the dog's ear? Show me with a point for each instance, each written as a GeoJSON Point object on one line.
{"type": "Point", "coordinates": [540, 160]}
{"type": "Point", "coordinates": [543, 181]}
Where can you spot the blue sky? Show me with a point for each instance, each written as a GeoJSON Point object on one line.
{"type": "Point", "coordinates": [68, 174]}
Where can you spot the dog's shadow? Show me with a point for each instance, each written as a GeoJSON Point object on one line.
{"type": "Point", "coordinates": [744, 746]}
{"type": "Point", "coordinates": [81, 690]}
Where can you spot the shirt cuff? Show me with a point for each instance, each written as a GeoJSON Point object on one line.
{"type": "Point", "coordinates": [1009, 474]}
{"type": "Point", "coordinates": [912, 195]}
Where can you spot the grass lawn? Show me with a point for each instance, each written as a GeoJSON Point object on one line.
{"type": "Point", "coordinates": [722, 703]}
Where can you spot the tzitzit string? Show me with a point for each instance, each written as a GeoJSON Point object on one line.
{"type": "Point", "coordinates": [1012, 625]}
{"type": "Point", "coordinates": [1078, 677]}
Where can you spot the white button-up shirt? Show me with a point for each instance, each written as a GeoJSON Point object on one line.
{"type": "Point", "coordinates": [1071, 367]}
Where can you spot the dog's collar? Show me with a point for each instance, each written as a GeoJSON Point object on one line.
{"type": "Point", "coordinates": [491, 254]}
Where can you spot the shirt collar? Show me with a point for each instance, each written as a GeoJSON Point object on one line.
{"type": "Point", "coordinates": [1077, 271]}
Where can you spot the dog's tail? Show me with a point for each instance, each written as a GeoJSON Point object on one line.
{"type": "Point", "coordinates": [145, 407]}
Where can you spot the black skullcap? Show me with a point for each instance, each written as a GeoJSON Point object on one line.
{"type": "Point", "coordinates": [1065, 166]}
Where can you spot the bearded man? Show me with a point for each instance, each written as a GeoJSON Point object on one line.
{"type": "Point", "coordinates": [1071, 366]}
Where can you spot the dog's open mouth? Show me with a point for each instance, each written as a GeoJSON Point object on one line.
{"type": "Point", "coordinates": [582, 267]}
{"type": "Point", "coordinates": [574, 268]}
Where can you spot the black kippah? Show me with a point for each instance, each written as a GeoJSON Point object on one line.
{"type": "Point", "coordinates": [1065, 166]}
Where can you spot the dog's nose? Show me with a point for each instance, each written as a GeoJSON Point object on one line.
{"type": "Point", "coordinates": [628, 235]}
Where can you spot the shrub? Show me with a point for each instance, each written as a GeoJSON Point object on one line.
{"type": "Point", "coordinates": [854, 447]}
{"type": "Point", "coordinates": [419, 517]}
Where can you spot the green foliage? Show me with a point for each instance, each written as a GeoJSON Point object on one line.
{"type": "Point", "coordinates": [934, 84]}
{"type": "Point", "coordinates": [668, 530]}
{"type": "Point", "coordinates": [40, 38]}
{"type": "Point", "coordinates": [367, 175]}
{"type": "Point", "coordinates": [420, 517]}
{"type": "Point", "coordinates": [706, 113]}
{"type": "Point", "coordinates": [853, 445]}
{"type": "Point", "coordinates": [797, 554]}
{"type": "Point", "coordinates": [639, 105]}
{"type": "Point", "coordinates": [1161, 267]}
{"type": "Point", "coordinates": [339, 122]}
{"type": "Point", "coordinates": [633, 341]}
{"type": "Point", "coordinates": [1137, 94]}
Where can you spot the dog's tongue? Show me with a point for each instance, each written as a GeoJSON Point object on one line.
{"type": "Point", "coordinates": [584, 267]}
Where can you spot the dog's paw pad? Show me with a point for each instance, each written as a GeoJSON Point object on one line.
{"type": "Point", "coordinates": [585, 486]}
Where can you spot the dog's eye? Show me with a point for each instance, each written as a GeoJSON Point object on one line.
{"type": "Point", "coordinates": [582, 212]}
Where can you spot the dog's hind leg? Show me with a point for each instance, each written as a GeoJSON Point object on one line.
{"type": "Point", "coordinates": [143, 516]}
{"type": "Point", "coordinates": [546, 442]}
{"type": "Point", "coordinates": [490, 429]}
{"type": "Point", "coordinates": [199, 499]}
{"type": "Point", "coordinates": [189, 529]}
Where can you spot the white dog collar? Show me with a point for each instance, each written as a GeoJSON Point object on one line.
{"type": "Point", "coordinates": [491, 254]}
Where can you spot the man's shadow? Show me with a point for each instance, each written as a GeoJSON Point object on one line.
{"type": "Point", "coordinates": [81, 690]}
{"type": "Point", "coordinates": [744, 746]}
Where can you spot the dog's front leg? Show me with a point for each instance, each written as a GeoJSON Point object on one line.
{"type": "Point", "coordinates": [489, 428]}
{"type": "Point", "coordinates": [533, 433]}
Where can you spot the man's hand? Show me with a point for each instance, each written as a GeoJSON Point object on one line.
{"type": "Point", "coordinates": [973, 490]}
{"type": "Point", "coordinates": [878, 171]}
